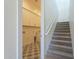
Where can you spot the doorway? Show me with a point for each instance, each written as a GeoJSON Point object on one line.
{"type": "Point", "coordinates": [31, 29]}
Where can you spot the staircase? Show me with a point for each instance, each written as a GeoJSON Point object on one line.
{"type": "Point", "coordinates": [60, 46]}
{"type": "Point", "coordinates": [31, 51]}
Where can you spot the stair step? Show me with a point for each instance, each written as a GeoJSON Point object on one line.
{"type": "Point", "coordinates": [55, 56]}
{"type": "Point", "coordinates": [62, 28]}
{"type": "Point", "coordinates": [64, 22]}
{"type": "Point", "coordinates": [62, 25]}
{"type": "Point", "coordinates": [32, 57]}
{"type": "Point", "coordinates": [30, 54]}
{"type": "Point", "coordinates": [61, 43]}
{"type": "Point", "coordinates": [67, 31]}
{"type": "Point", "coordinates": [60, 46]}
{"type": "Point", "coordinates": [61, 49]}
{"type": "Point", "coordinates": [65, 28]}
{"type": "Point", "coordinates": [37, 57]}
{"type": "Point", "coordinates": [62, 31]}
{"type": "Point", "coordinates": [58, 33]}
{"type": "Point", "coordinates": [61, 36]}
{"type": "Point", "coordinates": [60, 53]}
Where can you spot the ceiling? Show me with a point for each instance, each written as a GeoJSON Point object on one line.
{"type": "Point", "coordinates": [33, 5]}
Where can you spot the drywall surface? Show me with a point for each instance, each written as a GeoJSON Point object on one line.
{"type": "Point", "coordinates": [32, 5]}
{"type": "Point", "coordinates": [11, 29]}
{"type": "Point", "coordinates": [63, 10]}
{"type": "Point", "coordinates": [50, 13]}
{"type": "Point", "coordinates": [48, 38]}
{"type": "Point", "coordinates": [50, 17]}
{"type": "Point", "coordinates": [30, 19]}
{"type": "Point", "coordinates": [72, 21]}
{"type": "Point", "coordinates": [29, 33]}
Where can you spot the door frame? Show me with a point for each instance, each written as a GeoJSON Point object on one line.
{"type": "Point", "coordinates": [19, 42]}
{"type": "Point", "coordinates": [42, 29]}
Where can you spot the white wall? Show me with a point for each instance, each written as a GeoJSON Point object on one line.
{"type": "Point", "coordinates": [50, 13]}
{"type": "Point", "coordinates": [10, 29]}
{"type": "Point", "coordinates": [63, 10]}
{"type": "Point", "coordinates": [50, 16]}
{"type": "Point", "coordinates": [12, 35]}
{"type": "Point", "coordinates": [72, 21]}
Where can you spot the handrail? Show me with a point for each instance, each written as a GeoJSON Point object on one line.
{"type": "Point", "coordinates": [49, 28]}
{"type": "Point", "coordinates": [31, 11]}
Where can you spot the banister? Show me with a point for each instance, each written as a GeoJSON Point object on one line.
{"type": "Point", "coordinates": [50, 27]}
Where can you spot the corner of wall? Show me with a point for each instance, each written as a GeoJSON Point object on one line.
{"type": "Point", "coordinates": [48, 37]}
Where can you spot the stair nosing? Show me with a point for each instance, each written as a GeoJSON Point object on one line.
{"type": "Point", "coordinates": [61, 53]}
{"type": "Point", "coordinates": [61, 46]}
{"type": "Point", "coordinates": [61, 41]}
{"type": "Point", "coordinates": [62, 36]}
{"type": "Point", "coordinates": [61, 49]}
{"type": "Point", "coordinates": [60, 33]}
{"type": "Point", "coordinates": [61, 30]}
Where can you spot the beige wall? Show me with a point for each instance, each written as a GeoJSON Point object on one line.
{"type": "Point", "coordinates": [29, 33]}
{"type": "Point", "coordinates": [32, 5]}
{"type": "Point", "coordinates": [30, 19]}
{"type": "Point", "coordinates": [31, 22]}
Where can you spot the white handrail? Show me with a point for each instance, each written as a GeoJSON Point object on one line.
{"type": "Point", "coordinates": [50, 27]}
